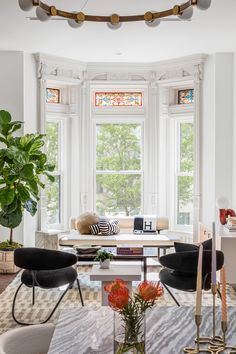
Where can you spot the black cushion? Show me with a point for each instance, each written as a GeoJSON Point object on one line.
{"type": "Point", "coordinates": [186, 262]}
{"type": "Point", "coordinates": [207, 245]}
{"type": "Point", "coordinates": [42, 259]}
{"type": "Point", "coordinates": [185, 247]}
{"type": "Point", "coordinates": [50, 278]}
{"type": "Point", "coordinates": [184, 282]}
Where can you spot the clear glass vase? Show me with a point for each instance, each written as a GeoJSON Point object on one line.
{"type": "Point", "coordinates": [129, 334]}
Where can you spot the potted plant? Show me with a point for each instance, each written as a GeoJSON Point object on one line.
{"type": "Point", "coordinates": [104, 258]}
{"type": "Point", "coordinates": [22, 162]}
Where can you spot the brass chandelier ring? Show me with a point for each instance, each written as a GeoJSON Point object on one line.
{"type": "Point", "coordinates": [79, 17]}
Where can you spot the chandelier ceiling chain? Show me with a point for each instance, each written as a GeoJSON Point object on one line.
{"type": "Point", "coordinates": [75, 19]}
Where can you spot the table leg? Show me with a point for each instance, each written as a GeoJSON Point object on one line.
{"type": "Point", "coordinates": [145, 268]}
{"type": "Point", "coordinates": [105, 294]}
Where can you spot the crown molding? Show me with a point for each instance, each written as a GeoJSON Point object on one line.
{"type": "Point", "coordinates": [54, 67]}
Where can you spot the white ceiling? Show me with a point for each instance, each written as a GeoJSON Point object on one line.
{"type": "Point", "coordinates": [209, 31]}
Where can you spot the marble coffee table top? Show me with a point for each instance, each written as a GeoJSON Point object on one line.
{"type": "Point", "coordinates": [89, 330]}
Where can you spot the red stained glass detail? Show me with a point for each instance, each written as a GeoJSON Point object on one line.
{"type": "Point", "coordinates": [118, 99]}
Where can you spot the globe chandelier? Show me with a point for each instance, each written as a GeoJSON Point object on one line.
{"type": "Point", "coordinates": [75, 19]}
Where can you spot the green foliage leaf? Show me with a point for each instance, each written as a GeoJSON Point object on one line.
{"type": "Point", "coordinates": [50, 167]}
{"type": "Point", "coordinates": [31, 206]}
{"type": "Point", "coordinates": [24, 140]}
{"type": "Point", "coordinates": [11, 220]}
{"type": "Point", "coordinates": [18, 156]}
{"type": "Point", "coordinates": [33, 186]}
{"type": "Point", "coordinates": [7, 195]}
{"type": "Point", "coordinates": [12, 207]}
{"type": "Point", "coordinates": [23, 192]}
{"type": "Point", "coordinates": [5, 119]}
{"type": "Point", "coordinates": [27, 171]}
{"type": "Point", "coordinates": [36, 145]}
{"type": "Point", "coordinates": [3, 140]}
{"type": "Point", "coordinates": [50, 177]}
{"type": "Point", "coordinates": [16, 126]}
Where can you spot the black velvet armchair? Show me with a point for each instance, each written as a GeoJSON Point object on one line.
{"type": "Point", "coordinates": [180, 269]}
{"type": "Point", "coordinates": [46, 269]}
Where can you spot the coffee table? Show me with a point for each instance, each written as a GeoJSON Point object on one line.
{"type": "Point", "coordinates": [168, 329]}
{"type": "Point", "coordinates": [127, 273]}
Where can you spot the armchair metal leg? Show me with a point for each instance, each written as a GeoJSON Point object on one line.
{"type": "Point", "coordinates": [219, 293]}
{"type": "Point", "coordinates": [48, 318]}
{"type": "Point", "coordinates": [171, 294]}
{"type": "Point", "coordinates": [33, 294]}
{"type": "Point", "coordinates": [80, 292]}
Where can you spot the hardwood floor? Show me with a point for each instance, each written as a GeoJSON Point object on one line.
{"type": "Point", "coordinates": [5, 280]}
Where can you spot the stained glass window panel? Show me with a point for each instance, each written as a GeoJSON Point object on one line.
{"type": "Point", "coordinates": [120, 99]}
{"type": "Point", "coordinates": [185, 96]}
{"type": "Point", "coordinates": [52, 95]}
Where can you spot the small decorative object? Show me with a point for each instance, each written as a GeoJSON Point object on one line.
{"type": "Point", "coordinates": [222, 203]}
{"type": "Point", "coordinates": [129, 317]}
{"type": "Point", "coordinates": [104, 258]}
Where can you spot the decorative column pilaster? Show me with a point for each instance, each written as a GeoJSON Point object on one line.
{"type": "Point", "coordinates": [198, 73]}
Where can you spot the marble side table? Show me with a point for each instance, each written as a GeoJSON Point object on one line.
{"type": "Point", "coordinates": [128, 273]}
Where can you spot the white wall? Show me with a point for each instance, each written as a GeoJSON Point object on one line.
{"type": "Point", "coordinates": [217, 134]}
{"type": "Point", "coordinates": [31, 125]}
{"type": "Point", "coordinates": [18, 96]}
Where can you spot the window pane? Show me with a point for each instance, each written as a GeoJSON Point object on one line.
{"type": "Point", "coordinates": [53, 201]}
{"type": "Point", "coordinates": [118, 147]}
{"type": "Point", "coordinates": [103, 99]}
{"type": "Point", "coordinates": [52, 143]}
{"type": "Point", "coordinates": [185, 200]}
{"type": "Point", "coordinates": [118, 194]}
{"type": "Point", "coordinates": [52, 95]}
{"type": "Point", "coordinates": [185, 96]}
{"type": "Point", "coordinates": [186, 147]}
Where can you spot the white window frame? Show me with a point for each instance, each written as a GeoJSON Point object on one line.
{"type": "Point", "coordinates": [62, 121]}
{"type": "Point", "coordinates": [178, 173]}
{"type": "Point", "coordinates": [114, 120]}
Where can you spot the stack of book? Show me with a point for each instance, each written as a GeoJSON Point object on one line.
{"type": "Point", "coordinates": [129, 251]}
{"type": "Point", "coordinates": [230, 227]}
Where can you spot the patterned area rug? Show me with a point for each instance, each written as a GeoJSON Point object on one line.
{"type": "Point", "coordinates": [45, 299]}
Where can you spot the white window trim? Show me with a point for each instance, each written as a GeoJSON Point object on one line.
{"type": "Point", "coordinates": [62, 120]}
{"type": "Point", "coordinates": [177, 173]}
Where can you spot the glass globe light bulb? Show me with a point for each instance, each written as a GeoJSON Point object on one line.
{"type": "Point", "coordinates": [42, 15]}
{"type": "Point", "coordinates": [25, 5]}
{"type": "Point", "coordinates": [186, 14]}
{"type": "Point", "coordinates": [203, 4]}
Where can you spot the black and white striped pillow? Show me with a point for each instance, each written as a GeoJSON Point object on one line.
{"type": "Point", "coordinates": [104, 226]}
{"type": "Point", "coordinates": [94, 229]}
{"type": "Point", "coordinates": [114, 221]}
{"type": "Point", "coordinates": [114, 228]}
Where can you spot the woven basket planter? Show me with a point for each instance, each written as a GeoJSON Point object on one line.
{"type": "Point", "coordinates": [7, 262]}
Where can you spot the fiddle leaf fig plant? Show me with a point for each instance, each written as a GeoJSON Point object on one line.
{"type": "Point", "coordinates": [22, 163]}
